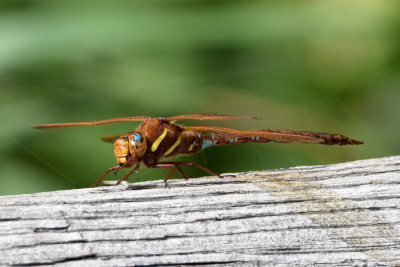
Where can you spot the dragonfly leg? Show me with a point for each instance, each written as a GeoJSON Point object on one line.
{"type": "Point", "coordinates": [131, 161]}
{"type": "Point", "coordinates": [129, 173]}
{"type": "Point", "coordinates": [169, 175]}
{"type": "Point", "coordinates": [116, 168]}
{"type": "Point", "coordinates": [189, 163]}
{"type": "Point", "coordinates": [175, 165]}
{"type": "Point", "coordinates": [166, 165]}
{"type": "Point", "coordinates": [180, 170]}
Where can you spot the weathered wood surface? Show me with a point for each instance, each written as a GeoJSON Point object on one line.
{"type": "Point", "coordinates": [344, 214]}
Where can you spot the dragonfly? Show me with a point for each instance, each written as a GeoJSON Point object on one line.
{"type": "Point", "coordinates": [156, 139]}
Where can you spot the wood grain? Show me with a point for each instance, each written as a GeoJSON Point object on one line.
{"type": "Point", "coordinates": [343, 214]}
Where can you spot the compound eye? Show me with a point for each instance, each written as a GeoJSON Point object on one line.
{"type": "Point", "coordinates": [137, 145]}
{"type": "Point", "coordinates": [137, 137]}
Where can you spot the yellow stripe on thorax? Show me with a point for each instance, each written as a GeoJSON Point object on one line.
{"type": "Point", "coordinates": [159, 140]}
{"type": "Point", "coordinates": [192, 145]}
{"type": "Point", "coordinates": [173, 146]}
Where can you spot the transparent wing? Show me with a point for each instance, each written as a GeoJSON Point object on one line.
{"type": "Point", "coordinates": [90, 123]}
{"type": "Point", "coordinates": [207, 117]}
{"type": "Point", "coordinates": [111, 138]}
{"type": "Point", "coordinates": [142, 118]}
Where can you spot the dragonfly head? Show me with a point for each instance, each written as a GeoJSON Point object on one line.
{"type": "Point", "coordinates": [129, 147]}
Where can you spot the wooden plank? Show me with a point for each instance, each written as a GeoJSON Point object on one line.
{"type": "Point", "coordinates": [344, 214]}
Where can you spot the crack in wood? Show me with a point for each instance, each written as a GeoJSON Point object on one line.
{"type": "Point", "coordinates": [65, 260]}
{"type": "Point", "coordinates": [50, 229]}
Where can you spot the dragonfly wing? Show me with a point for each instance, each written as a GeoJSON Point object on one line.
{"type": "Point", "coordinates": [207, 117]}
{"type": "Point", "coordinates": [90, 123]}
{"type": "Point", "coordinates": [287, 137]}
{"type": "Point", "coordinates": [111, 138]}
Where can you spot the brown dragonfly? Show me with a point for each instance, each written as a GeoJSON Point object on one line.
{"type": "Point", "coordinates": [159, 138]}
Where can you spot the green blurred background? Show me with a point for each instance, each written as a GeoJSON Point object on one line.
{"type": "Point", "coordinates": [329, 66]}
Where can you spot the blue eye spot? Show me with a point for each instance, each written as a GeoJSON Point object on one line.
{"type": "Point", "coordinates": [137, 137]}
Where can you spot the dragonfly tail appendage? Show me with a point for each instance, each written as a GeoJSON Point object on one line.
{"type": "Point", "coordinates": [331, 139]}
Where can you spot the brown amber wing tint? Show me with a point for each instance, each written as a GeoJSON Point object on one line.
{"type": "Point", "coordinates": [91, 123]}
{"type": "Point", "coordinates": [279, 137]}
{"type": "Point", "coordinates": [207, 117]}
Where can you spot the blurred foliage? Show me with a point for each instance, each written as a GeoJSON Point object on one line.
{"type": "Point", "coordinates": [329, 66]}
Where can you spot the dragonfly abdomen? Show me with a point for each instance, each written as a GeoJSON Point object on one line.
{"type": "Point", "coordinates": [325, 138]}
{"type": "Point", "coordinates": [283, 136]}
{"type": "Point", "coordinates": [222, 139]}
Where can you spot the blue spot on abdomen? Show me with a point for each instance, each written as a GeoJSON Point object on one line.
{"type": "Point", "coordinates": [207, 143]}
